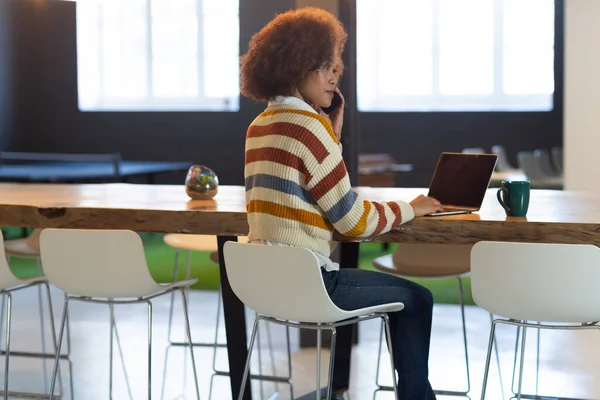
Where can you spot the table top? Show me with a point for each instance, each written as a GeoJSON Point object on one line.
{"type": "Point", "coordinates": [554, 216]}
{"type": "Point", "coordinates": [48, 171]}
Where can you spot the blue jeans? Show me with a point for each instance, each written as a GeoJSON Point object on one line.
{"type": "Point", "coordinates": [351, 289]}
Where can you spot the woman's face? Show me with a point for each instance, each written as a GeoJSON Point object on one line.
{"type": "Point", "coordinates": [318, 88]}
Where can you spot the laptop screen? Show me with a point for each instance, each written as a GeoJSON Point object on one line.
{"type": "Point", "coordinates": [462, 179]}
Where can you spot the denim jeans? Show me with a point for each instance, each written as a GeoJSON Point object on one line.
{"type": "Point", "coordinates": [351, 289]}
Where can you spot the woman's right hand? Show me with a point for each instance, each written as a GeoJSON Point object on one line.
{"type": "Point", "coordinates": [424, 205]}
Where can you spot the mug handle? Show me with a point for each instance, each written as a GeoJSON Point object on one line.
{"type": "Point", "coordinates": [499, 196]}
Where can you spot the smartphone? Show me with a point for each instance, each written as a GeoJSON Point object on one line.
{"type": "Point", "coordinates": [335, 103]}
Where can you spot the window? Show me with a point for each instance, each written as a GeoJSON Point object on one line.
{"type": "Point", "coordinates": [455, 55]}
{"type": "Point", "coordinates": [158, 55]}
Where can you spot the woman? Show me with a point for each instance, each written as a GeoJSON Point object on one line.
{"type": "Point", "coordinates": [297, 186]}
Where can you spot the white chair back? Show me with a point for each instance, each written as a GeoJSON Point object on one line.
{"type": "Point", "coordinates": [96, 263]}
{"type": "Point", "coordinates": [473, 150]}
{"type": "Point", "coordinates": [280, 282]}
{"type": "Point", "coordinates": [503, 164]}
{"type": "Point", "coordinates": [557, 159]}
{"type": "Point", "coordinates": [7, 278]}
{"type": "Point", "coordinates": [545, 163]}
{"type": "Point", "coordinates": [537, 282]}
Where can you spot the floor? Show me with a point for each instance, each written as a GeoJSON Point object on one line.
{"type": "Point", "coordinates": [569, 362]}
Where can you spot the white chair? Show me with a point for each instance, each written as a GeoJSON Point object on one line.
{"type": "Point", "coordinates": [208, 243]}
{"type": "Point", "coordinates": [29, 248]}
{"type": "Point", "coordinates": [284, 285]}
{"type": "Point", "coordinates": [431, 261]}
{"type": "Point", "coordinates": [473, 150]}
{"type": "Point", "coordinates": [106, 267]}
{"type": "Point", "coordinates": [502, 164]}
{"type": "Point", "coordinates": [525, 282]}
{"type": "Point", "coordinates": [8, 284]}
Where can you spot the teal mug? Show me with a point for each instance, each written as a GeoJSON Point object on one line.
{"type": "Point", "coordinates": [513, 196]}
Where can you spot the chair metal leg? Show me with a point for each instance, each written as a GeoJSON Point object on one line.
{"type": "Point", "coordinates": [497, 356]}
{"type": "Point", "coordinates": [247, 367]}
{"type": "Point", "coordinates": [38, 270]}
{"type": "Point", "coordinates": [164, 377]}
{"type": "Point", "coordinates": [189, 338]}
{"type": "Point", "coordinates": [331, 364]}
{"type": "Point", "coordinates": [53, 333]}
{"type": "Point", "coordinates": [488, 358]}
{"type": "Point", "coordinates": [517, 341]}
{"type": "Point", "coordinates": [219, 300]}
{"type": "Point", "coordinates": [258, 350]}
{"type": "Point", "coordinates": [175, 270]}
{"type": "Point", "coordinates": [7, 358]}
{"type": "Point", "coordinates": [537, 362]}
{"type": "Point", "coordinates": [59, 345]}
{"type": "Point", "coordinates": [289, 354]}
{"type": "Point", "coordinates": [111, 351]}
{"type": "Point", "coordinates": [388, 334]}
{"type": "Point", "coordinates": [149, 349]}
{"type": "Point", "coordinates": [121, 355]}
{"type": "Point", "coordinates": [319, 344]}
{"type": "Point", "coordinates": [464, 326]}
{"type": "Point", "coordinates": [271, 353]}
{"type": "Point", "coordinates": [522, 362]}
{"type": "Point", "coordinates": [2, 320]}
{"type": "Point", "coordinates": [379, 356]}
{"type": "Point", "coordinates": [68, 326]}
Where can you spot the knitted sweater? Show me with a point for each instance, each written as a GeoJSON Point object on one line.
{"type": "Point", "coordinates": [297, 186]}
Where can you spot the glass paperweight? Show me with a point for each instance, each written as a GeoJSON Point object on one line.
{"type": "Point", "coordinates": [201, 183]}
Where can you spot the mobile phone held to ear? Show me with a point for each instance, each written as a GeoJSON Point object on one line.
{"type": "Point", "coordinates": [336, 102]}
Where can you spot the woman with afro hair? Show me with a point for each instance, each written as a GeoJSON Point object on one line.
{"type": "Point", "coordinates": [297, 186]}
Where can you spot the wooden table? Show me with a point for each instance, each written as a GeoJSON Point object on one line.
{"type": "Point", "coordinates": [554, 217]}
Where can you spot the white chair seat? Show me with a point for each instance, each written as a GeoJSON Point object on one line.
{"type": "Point", "coordinates": [115, 264]}
{"type": "Point", "coordinates": [388, 265]}
{"type": "Point", "coordinates": [195, 242]}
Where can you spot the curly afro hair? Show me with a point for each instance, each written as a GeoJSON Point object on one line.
{"type": "Point", "coordinates": [288, 49]}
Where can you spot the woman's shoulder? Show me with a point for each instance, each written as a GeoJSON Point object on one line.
{"type": "Point", "coordinates": [298, 118]}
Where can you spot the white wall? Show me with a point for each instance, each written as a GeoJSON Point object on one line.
{"type": "Point", "coordinates": [582, 95]}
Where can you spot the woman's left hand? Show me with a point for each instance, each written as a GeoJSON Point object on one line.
{"type": "Point", "coordinates": [336, 118]}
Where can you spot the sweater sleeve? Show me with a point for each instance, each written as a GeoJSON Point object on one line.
{"type": "Point", "coordinates": [348, 211]}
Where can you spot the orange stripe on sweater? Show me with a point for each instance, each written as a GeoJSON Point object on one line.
{"type": "Point", "coordinates": [361, 226]}
{"type": "Point", "coordinates": [326, 124]}
{"type": "Point", "coordinates": [295, 214]}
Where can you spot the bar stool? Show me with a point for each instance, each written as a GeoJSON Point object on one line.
{"type": "Point", "coordinates": [526, 282]}
{"type": "Point", "coordinates": [208, 243]}
{"type": "Point", "coordinates": [432, 261]}
{"type": "Point", "coordinates": [284, 286]}
{"type": "Point", "coordinates": [106, 267]}
{"type": "Point", "coordinates": [10, 283]}
{"type": "Point", "coordinates": [29, 248]}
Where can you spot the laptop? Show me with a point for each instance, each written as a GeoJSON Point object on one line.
{"type": "Point", "coordinates": [460, 181]}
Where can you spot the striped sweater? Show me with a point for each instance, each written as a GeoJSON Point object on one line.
{"type": "Point", "coordinates": [297, 186]}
